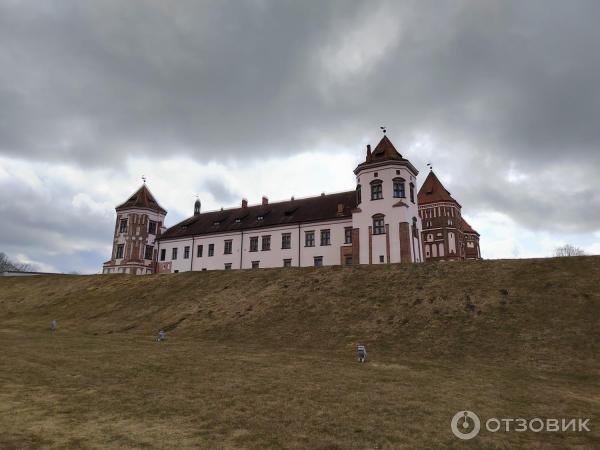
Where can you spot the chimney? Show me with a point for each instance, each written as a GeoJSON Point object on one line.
{"type": "Point", "coordinates": [244, 203]}
{"type": "Point", "coordinates": [340, 209]}
{"type": "Point", "coordinates": [265, 200]}
{"type": "Point", "coordinates": [368, 152]}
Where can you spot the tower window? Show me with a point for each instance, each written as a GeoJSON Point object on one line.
{"type": "Point", "coordinates": [378, 224]}
{"type": "Point", "coordinates": [152, 227]}
{"type": "Point", "coordinates": [412, 192]}
{"type": "Point", "coordinates": [123, 226]}
{"type": "Point", "coordinates": [376, 190]}
{"type": "Point", "coordinates": [358, 196]}
{"type": "Point", "coordinates": [399, 191]}
{"type": "Point", "coordinates": [149, 251]}
{"type": "Point", "coordinates": [120, 250]}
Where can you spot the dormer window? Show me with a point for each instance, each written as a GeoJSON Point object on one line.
{"type": "Point", "coordinates": [238, 220]}
{"type": "Point", "coordinates": [399, 191]}
{"type": "Point", "coordinates": [260, 218]}
{"type": "Point", "coordinates": [376, 190]}
{"type": "Point", "coordinates": [216, 223]}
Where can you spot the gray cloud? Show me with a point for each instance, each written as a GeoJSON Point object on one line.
{"type": "Point", "coordinates": [90, 83]}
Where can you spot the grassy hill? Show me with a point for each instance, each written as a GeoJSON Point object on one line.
{"type": "Point", "coordinates": [265, 358]}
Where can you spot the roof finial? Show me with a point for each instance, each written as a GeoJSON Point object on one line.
{"type": "Point", "coordinates": [384, 129]}
{"type": "Point", "coordinates": [430, 167]}
{"type": "Point", "coordinates": [144, 178]}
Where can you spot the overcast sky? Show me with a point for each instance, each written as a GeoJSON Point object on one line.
{"type": "Point", "coordinates": [249, 98]}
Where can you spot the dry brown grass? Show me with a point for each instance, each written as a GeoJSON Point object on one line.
{"type": "Point", "coordinates": [264, 359]}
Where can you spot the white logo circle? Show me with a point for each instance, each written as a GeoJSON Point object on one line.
{"type": "Point", "coordinates": [462, 431]}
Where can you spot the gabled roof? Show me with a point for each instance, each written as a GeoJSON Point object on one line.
{"type": "Point", "coordinates": [467, 228]}
{"type": "Point", "coordinates": [313, 209]}
{"type": "Point", "coordinates": [433, 191]}
{"type": "Point", "coordinates": [142, 198]}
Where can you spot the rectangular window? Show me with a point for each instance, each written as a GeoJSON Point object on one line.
{"type": "Point", "coordinates": [287, 263]}
{"type": "Point", "coordinates": [286, 240]}
{"type": "Point", "coordinates": [376, 191]}
{"type": "Point", "coordinates": [255, 264]}
{"type": "Point", "coordinates": [348, 235]}
{"type": "Point", "coordinates": [266, 243]}
{"type": "Point", "coordinates": [348, 260]}
{"type": "Point", "coordinates": [211, 249]}
{"type": "Point", "coordinates": [309, 239]}
{"type": "Point", "coordinates": [412, 192]}
{"type": "Point", "coordinates": [152, 227]}
{"type": "Point", "coordinates": [318, 261]}
{"type": "Point", "coordinates": [199, 251]}
{"type": "Point", "coordinates": [227, 266]}
{"type": "Point", "coordinates": [228, 247]}
{"type": "Point", "coordinates": [254, 244]}
{"type": "Point", "coordinates": [380, 258]}
{"type": "Point", "coordinates": [120, 250]}
{"type": "Point", "coordinates": [123, 226]}
{"type": "Point", "coordinates": [186, 252]}
{"type": "Point", "coordinates": [174, 254]}
{"type": "Point", "coordinates": [399, 189]}
{"type": "Point", "coordinates": [163, 254]}
{"type": "Point", "coordinates": [325, 237]}
{"type": "Point", "coordinates": [149, 252]}
{"type": "Point", "coordinates": [378, 225]}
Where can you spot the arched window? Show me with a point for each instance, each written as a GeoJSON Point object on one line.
{"type": "Point", "coordinates": [358, 196]}
{"type": "Point", "coordinates": [399, 191]}
{"type": "Point", "coordinates": [376, 190]}
{"type": "Point", "coordinates": [378, 224]}
{"type": "Point", "coordinates": [412, 192]}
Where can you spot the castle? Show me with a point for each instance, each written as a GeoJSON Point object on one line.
{"type": "Point", "coordinates": [382, 221]}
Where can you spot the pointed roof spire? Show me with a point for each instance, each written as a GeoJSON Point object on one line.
{"type": "Point", "coordinates": [433, 191]}
{"type": "Point", "coordinates": [385, 150]}
{"type": "Point", "coordinates": [142, 198]}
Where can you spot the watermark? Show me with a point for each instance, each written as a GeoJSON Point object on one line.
{"type": "Point", "coordinates": [466, 425]}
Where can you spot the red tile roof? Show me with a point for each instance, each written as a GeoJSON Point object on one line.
{"type": "Point", "coordinates": [433, 191]}
{"type": "Point", "coordinates": [144, 199]}
{"type": "Point", "coordinates": [467, 228]}
{"type": "Point", "coordinates": [313, 209]}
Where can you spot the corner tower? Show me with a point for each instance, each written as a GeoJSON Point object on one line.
{"type": "Point", "coordinates": [140, 220]}
{"type": "Point", "coordinates": [386, 224]}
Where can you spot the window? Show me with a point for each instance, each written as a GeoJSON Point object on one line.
{"type": "Point", "coordinates": [211, 249]}
{"type": "Point", "coordinates": [260, 218]}
{"type": "Point", "coordinates": [412, 192]}
{"type": "Point", "coordinates": [199, 251]}
{"type": "Point", "coordinates": [266, 243]}
{"type": "Point", "coordinates": [399, 188]}
{"type": "Point", "coordinates": [358, 196]}
{"type": "Point", "coordinates": [120, 250]}
{"type": "Point", "coordinates": [152, 227]}
{"type": "Point", "coordinates": [228, 247]}
{"type": "Point", "coordinates": [376, 190]}
{"type": "Point", "coordinates": [186, 252]}
{"type": "Point", "coordinates": [174, 254]}
{"type": "Point", "coordinates": [123, 226]}
{"type": "Point", "coordinates": [380, 258]}
{"type": "Point", "coordinates": [348, 235]}
{"type": "Point", "coordinates": [325, 237]}
{"type": "Point", "coordinates": [378, 225]}
{"type": "Point", "coordinates": [163, 254]}
{"type": "Point", "coordinates": [287, 263]}
{"type": "Point", "coordinates": [255, 264]}
{"type": "Point", "coordinates": [149, 252]}
{"type": "Point", "coordinates": [286, 240]}
{"type": "Point", "coordinates": [227, 266]}
{"type": "Point", "coordinates": [348, 260]}
{"type": "Point", "coordinates": [254, 244]}
{"type": "Point", "coordinates": [309, 239]}
{"type": "Point", "coordinates": [216, 223]}
{"type": "Point", "coordinates": [318, 261]}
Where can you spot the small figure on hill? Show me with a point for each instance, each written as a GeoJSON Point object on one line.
{"type": "Point", "coordinates": [53, 325]}
{"type": "Point", "coordinates": [361, 353]}
{"type": "Point", "coordinates": [162, 336]}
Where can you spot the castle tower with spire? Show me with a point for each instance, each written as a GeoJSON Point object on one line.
{"type": "Point", "coordinates": [139, 222]}
{"type": "Point", "coordinates": [446, 234]}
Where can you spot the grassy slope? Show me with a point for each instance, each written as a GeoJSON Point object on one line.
{"type": "Point", "coordinates": [264, 358]}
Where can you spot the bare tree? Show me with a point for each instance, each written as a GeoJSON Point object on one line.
{"type": "Point", "coordinates": [568, 250]}
{"type": "Point", "coordinates": [8, 265]}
